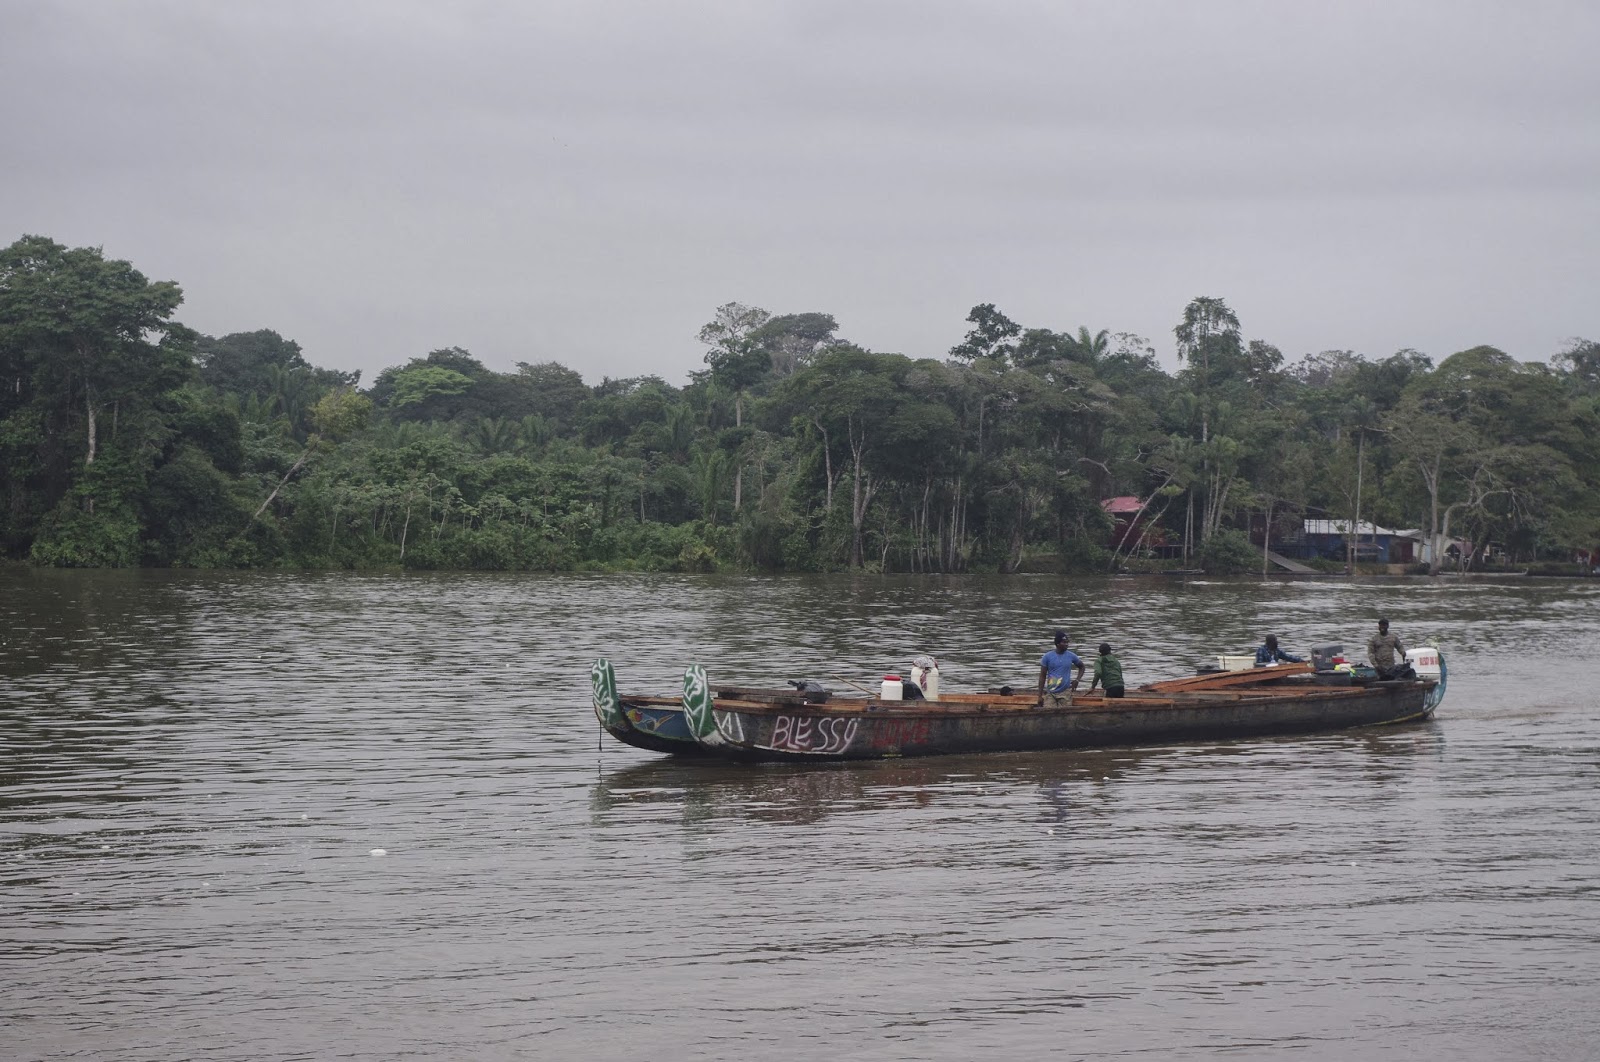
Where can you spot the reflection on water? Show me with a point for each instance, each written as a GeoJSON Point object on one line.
{"type": "Point", "coordinates": [1086, 781]}
{"type": "Point", "coordinates": [196, 768]}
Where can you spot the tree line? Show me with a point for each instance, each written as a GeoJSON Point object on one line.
{"type": "Point", "coordinates": [127, 439]}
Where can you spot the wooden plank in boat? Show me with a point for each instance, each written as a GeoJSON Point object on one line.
{"type": "Point", "coordinates": [756, 693]}
{"type": "Point", "coordinates": [1223, 679]}
{"type": "Point", "coordinates": [834, 705]}
{"type": "Point", "coordinates": [986, 698]}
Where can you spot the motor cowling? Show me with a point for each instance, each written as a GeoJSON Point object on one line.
{"type": "Point", "coordinates": [925, 673]}
{"type": "Point", "coordinates": [1424, 660]}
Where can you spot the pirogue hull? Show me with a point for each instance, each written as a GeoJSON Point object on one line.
{"type": "Point", "coordinates": [773, 725]}
{"type": "Point", "coordinates": [766, 732]}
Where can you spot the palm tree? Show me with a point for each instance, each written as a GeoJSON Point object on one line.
{"type": "Point", "coordinates": [680, 429]}
{"type": "Point", "coordinates": [708, 470]}
{"type": "Point", "coordinates": [533, 431]}
{"type": "Point", "coordinates": [492, 435]}
{"type": "Point", "coordinates": [291, 393]}
{"type": "Point", "coordinates": [1092, 347]}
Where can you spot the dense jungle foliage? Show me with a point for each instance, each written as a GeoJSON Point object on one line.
{"type": "Point", "coordinates": [127, 439]}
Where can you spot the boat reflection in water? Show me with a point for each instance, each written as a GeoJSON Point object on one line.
{"type": "Point", "coordinates": [1066, 784]}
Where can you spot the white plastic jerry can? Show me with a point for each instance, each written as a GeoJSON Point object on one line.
{"type": "Point", "coordinates": [892, 688]}
{"type": "Point", "coordinates": [927, 679]}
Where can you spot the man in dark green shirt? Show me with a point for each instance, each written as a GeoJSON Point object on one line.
{"type": "Point", "coordinates": [1107, 672]}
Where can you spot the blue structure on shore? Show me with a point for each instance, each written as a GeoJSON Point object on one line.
{"type": "Point", "coordinates": [1329, 539]}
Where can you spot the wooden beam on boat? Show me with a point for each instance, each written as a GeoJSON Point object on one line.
{"type": "Point", "coordinates": [1223, 679]}
{"type": "Point", "coordinates": [760, 694]}
{"type": "Point", "coordinates": [987, 698]}
{"type": "Point", "coordinates": [833, 706]}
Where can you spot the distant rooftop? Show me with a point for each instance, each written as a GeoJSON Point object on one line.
{"type": "Point", "coordinates": [1342, 527]}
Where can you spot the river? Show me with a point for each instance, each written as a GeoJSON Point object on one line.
{"type": "Point", "coordinates": [274, 816]}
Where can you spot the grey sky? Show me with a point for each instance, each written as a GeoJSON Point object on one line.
{"type": "Point", "coordinates": [586, 182]}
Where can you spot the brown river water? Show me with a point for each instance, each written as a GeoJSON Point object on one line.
{"type": "Point", "coordinates": [270, 816]}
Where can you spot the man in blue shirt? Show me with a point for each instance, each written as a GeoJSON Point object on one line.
{"type": "Point", "coordinates": [1059, 673]}
{"type": "Point", "coordinates": [1269, 653]}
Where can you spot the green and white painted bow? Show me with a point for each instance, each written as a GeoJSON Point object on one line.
{"type": "Point", "coordinates": [607, 705]}
{"type": "Point", "coordinates": [697, 706]}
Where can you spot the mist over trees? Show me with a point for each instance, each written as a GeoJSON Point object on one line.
{"type": "Point", "coordinates": [127, 439]}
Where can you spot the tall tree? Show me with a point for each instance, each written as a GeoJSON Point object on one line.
{"type": "Point", "coordinates": [1580, 363]}
{"type": "Point", "coordinates": [990, 336]}
{"type": "Point", "coordinates": [89, 332]}
{"type": "Point", "coordinates": [1363, 414]}
{"type": "Point", "coordinates": [736, 358]}
{"type": "Point", "coordinates": [791, 339]}
{"type": "Point", "coordinates": [91, 352]}
{"type": "Point", "coordinates": [851, 395]}
{"type": "Point", "coordinates": [738, 362]}
{"type": "Point", "coordinates": [1207, 335]}
{"type": "Point", "coordinates": [555, 393]}
{"type": "Point", "coordinates": [1435, 444]}
{"type": "Point", "coordinates": [253, 363]}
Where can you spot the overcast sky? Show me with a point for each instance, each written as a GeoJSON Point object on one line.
{"type": "Point", "coordinates": [585, 182]}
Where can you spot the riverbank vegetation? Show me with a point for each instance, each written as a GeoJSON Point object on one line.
{"type": "Point", "coordinates": [128, 439]}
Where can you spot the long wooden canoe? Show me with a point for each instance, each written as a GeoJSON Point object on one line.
{"type": "Point", "coordinates": [741, 723]}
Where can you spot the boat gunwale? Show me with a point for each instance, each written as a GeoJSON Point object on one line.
{"type": "Point", "coordinates": [1133, 701]}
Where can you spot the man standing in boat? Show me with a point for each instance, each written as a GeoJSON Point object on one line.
{"type": "Point", "coordinates": [1060, 671]}
{"type": "Point", "coordinates": [1107, 672]}
{"type": "Point", "coordinates": [1384, 651]}
{"type": "Point", "coordinates": [1269, 653]}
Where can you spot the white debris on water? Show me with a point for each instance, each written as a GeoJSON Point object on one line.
{"type": "Point", "coordinates": [379, 852]}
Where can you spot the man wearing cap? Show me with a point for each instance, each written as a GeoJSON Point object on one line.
{"type": "Point", "coordinates": [1060, 670]}
{"type": "Point", "coordinates": [1385, 652]}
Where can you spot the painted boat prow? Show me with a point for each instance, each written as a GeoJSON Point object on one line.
{"type": "Point", "coordinates": [697, 710]}
{"type": "Point", "coordinates": [651, 723]}
{"type": "Point", "coordinates": [607, 705]}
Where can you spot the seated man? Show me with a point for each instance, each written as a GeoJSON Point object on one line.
{"type": "Point", "coordinates": [1269, 653]}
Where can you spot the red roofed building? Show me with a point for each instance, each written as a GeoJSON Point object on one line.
{"type": "Point", "coordinates": [1128, 523]}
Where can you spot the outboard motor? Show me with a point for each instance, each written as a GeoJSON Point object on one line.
{"type": "Point", "coordinates": [815, 692]}
{"type": "Point", "coordinates": [925, 673]}
{"type": "Point", "coordinates": [1327, 657]}
{"type": "Point", "coordinates": [1427, 662]}
{"type": "Point", "coordinates": [1424, 662]}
